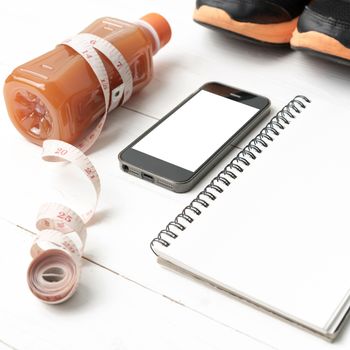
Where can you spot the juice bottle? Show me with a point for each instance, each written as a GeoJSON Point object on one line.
{"type": "Point", "coordinates": [58, 96]}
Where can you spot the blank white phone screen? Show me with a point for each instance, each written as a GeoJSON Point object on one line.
{"type": "Point", "coordinates": [196, 130]}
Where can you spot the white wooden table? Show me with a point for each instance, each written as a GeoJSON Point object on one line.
{"type": "Point", "coordinates": [125, 299]}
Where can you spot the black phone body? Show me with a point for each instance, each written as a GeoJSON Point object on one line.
{"type": "Point", "coordinates": [183, 146]}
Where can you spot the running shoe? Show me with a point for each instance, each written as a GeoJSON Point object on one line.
{"type": "Point", "coordinates": [266, 21]}
{"type": "Point", "coordinates": [324, 30]}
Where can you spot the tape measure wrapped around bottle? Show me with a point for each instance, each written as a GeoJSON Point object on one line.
{"type": "Point", "coordinates": [53, 275]}
{"type": "Point", "coordinates": [58, 96]}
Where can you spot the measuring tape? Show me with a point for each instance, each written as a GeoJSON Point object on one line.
{"type": "Point", "coordinates": [53, 275]}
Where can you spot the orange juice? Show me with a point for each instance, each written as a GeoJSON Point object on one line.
{"type": "Point", "coordinates": [58, 96]}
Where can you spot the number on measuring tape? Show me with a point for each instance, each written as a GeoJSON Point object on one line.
{"type": "Point", "coordinates": [61, 152]}
{"type": "Point", "coordinates": [62, 215]}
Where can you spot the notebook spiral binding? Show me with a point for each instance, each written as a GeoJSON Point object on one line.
{"type": "Point", "coordinates": [230, 171]}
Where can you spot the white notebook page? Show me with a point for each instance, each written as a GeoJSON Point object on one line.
{"type": "Point", "coordinates": [280, 233]}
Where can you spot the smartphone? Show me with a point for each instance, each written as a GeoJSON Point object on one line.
{"type": "Point", "coordinates": [184, 145]}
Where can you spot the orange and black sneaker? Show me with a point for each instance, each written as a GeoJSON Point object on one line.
{"type": "Point", "coordinates": [324, 29]}
{"type": "Point", "coordinates": [265, 21]}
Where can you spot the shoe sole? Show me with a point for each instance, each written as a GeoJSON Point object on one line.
{"type": "Point", "coordinates": [320, 44]}
{"type": "Point", "coordinates": [274, 33]}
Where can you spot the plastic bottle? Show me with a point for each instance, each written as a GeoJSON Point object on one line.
{"type": "Point", "coordinates": [57, 95]}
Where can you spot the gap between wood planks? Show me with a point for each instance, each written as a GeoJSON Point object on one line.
{"type": "Point", "coordinates": [136, 111]}
{"type": "Point", "coordinates": [8, 346]}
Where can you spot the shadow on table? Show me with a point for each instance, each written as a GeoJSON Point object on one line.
{"type": "Point", "coordinates": [328, 69]}
{"type": "Point", "coordinates": [81, 299]}
{"type": "Point", "coordinates": [256, 50]}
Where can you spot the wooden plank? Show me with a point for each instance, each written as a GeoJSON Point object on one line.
{"type": "Point", "coordinates": [107, 312]}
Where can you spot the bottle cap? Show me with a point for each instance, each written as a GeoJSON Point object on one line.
{"type": "Point", "coordinates": [161, 27]}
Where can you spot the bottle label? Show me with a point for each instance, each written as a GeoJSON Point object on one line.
{"type": "Point", "coordinates": [54, 272]}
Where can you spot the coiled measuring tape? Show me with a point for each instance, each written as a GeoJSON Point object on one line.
{"type": "Point", "coordinates": [53, 275]}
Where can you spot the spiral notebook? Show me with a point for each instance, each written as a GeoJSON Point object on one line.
{"type": "Point", "coordinates": [273, 227]}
